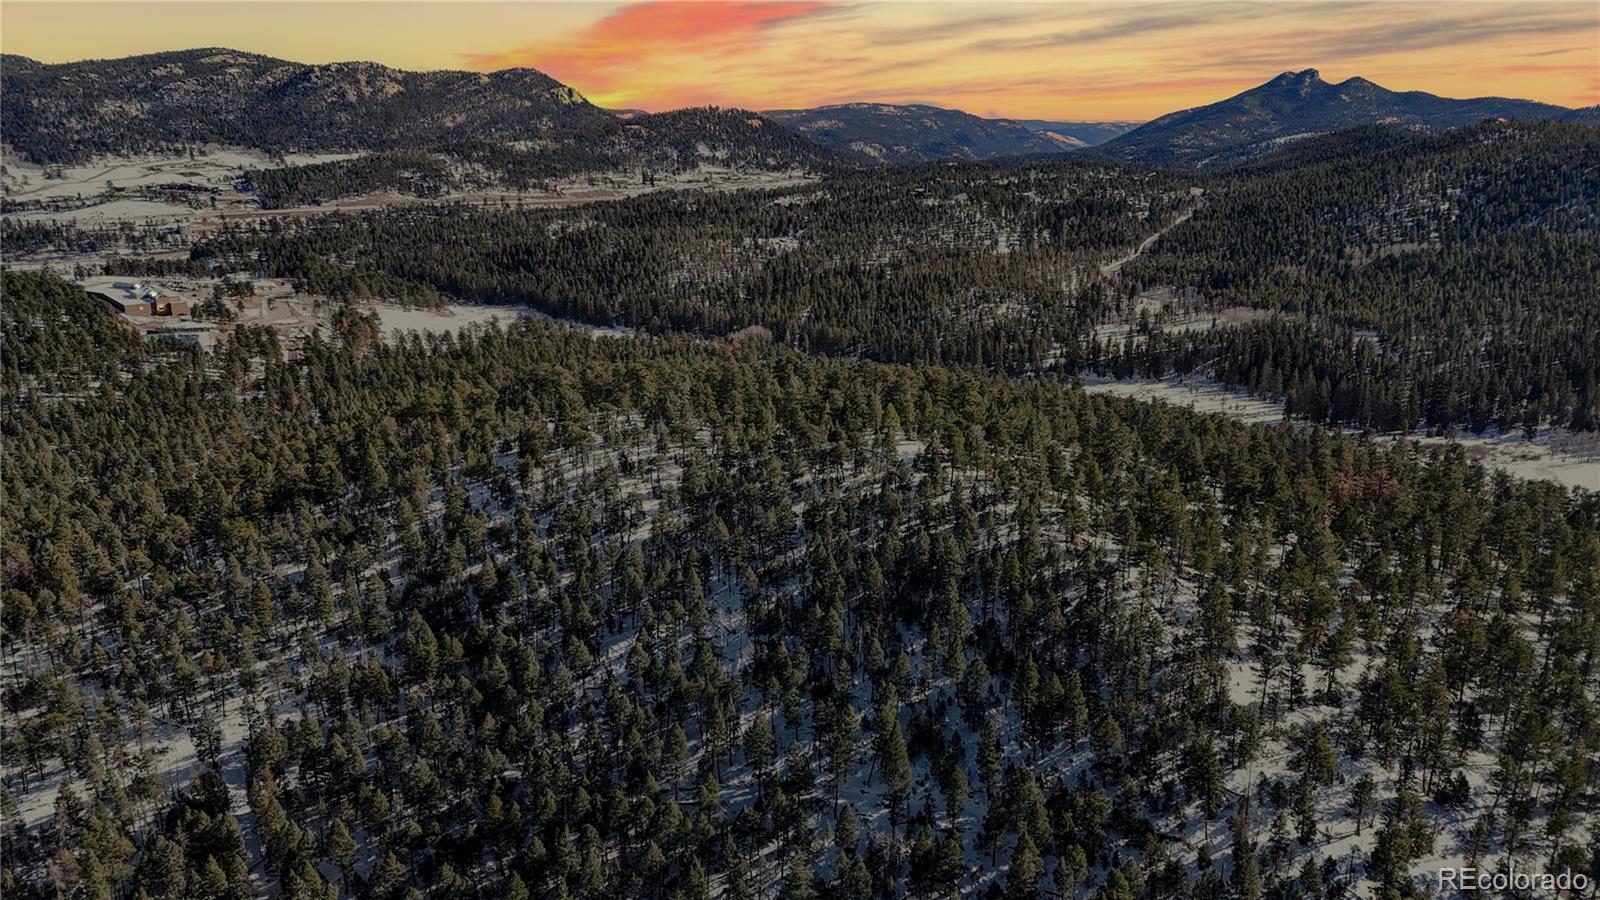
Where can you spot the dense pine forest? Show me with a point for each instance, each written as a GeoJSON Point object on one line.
{"type": "Point", "coordinates": [531, 612]}
{"type": "Point", "coordinates": [1452, 279]}
{"type": "Point", "coordinates": [979, 266]}
{"type": "Point", "coordinates": [1401, 279]}
{"type": "Point", "coordinates": [650, 146]}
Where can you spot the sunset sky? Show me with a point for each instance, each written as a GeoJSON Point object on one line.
{"type": "Point", "coordinates": [1123, 60]}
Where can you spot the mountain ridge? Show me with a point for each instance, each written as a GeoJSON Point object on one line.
{"type": "Point", "coordinates": [923, 132]}
{"type": "Point", "coordinates": [70, 112]}
{"type": "Point", "coordinates": [1294, 105]}
{"type": "Point", "coordinates": [59, 112]}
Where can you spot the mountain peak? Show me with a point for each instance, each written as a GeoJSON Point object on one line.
{"type": "Point", "coordinates": [1296, 105]}
{"type": "Point", "coordinates": [1302, 77]}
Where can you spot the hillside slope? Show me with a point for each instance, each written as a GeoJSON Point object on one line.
{"type": "Point", "coordinates": [498, 615]}
{"type": "Point", "coordinates": [1082, 134]}
{"type": "Point", "coordinates": [918, 132]}
{"type": "Point", "coordinates": [1447, 278]}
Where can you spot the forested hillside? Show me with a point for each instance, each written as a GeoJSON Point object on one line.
{"type": "Point", "coordinates": [519, 124]}
{"type": "Point", "coordinates": [986, 266]}
{"type": "Point", "coordinates": [916, 132]}
{"type": "Point", "coordinates": [1395, 279]}
{"type": "Point", "coordinates": [1452, 279]}
{"type": "Point", "coordinates": [532, 613]}
{"type": "Point", "coordinates": [70, 111]}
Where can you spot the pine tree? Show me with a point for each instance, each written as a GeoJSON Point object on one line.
{"type": "Point", "coordinates": [1022, 876]}
{"type": "Point", "coordinates": [1363, 799]}
{"type": "Point", "coordinates": [989, 760]}
{"type": "Point", "coordinates": [1305, 813]}
{"type": "Point", "coordinates": [342, 849]}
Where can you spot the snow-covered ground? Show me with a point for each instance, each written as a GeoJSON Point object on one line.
{"type": "Point", "coordinates": [1513, 454]}
{"type": "Point", "coordinates": [215, 167]}
{"type": "Point", "coordinates": [111, 211]}
{"type": "Point", "coordinates": [114, 189]}
{"type": "Point", "coordinates": [453, 317]}
{"type": "Point", "coordinates": [450, 318]}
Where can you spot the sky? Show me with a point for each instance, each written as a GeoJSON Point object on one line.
{"type": "Point", "coordinates": [1128, 60]}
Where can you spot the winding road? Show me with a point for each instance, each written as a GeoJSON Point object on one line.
{"type": "Point", "coordinates": [1110, 269]}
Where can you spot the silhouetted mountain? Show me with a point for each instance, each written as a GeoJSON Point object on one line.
{"type": "Point", "coordinates": [71, 111]}
{"type": "Point", "coordinates": [1296, 105]}
{"type": "Point", "coordinates": [917, 132]}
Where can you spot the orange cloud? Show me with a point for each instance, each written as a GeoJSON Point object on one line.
{"type": "Point", "coordinates": [1082, 59]}
{"type": "Point", "coordinates": [626, 45]}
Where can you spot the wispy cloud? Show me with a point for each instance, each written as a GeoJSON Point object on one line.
{"type": "Point", "coordinates": [636, 35]}
{"type": "Point", "coordinates": [1273, 47]}
{"type": "Point", "coordinates": [1129, 27]}
{"type": "Point", "coordinates": [1561, 52]}
{"type": "Point", "coordinates": [1081, 59]}
{"type": "Point", "coordinates": [1387, 38]}
{"type": "Point", "coordinates": [955, 27]}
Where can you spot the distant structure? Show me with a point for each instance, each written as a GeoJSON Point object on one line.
{"type": "Point", "coordinates": [133, 298]}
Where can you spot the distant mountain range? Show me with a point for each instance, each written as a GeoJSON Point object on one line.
{"type": "Point", "coordinates": [916, 132]}
{"type": "Point", "coordinates": [1296, 105]}
{"type": "Point", "coordinates": [164, 101]}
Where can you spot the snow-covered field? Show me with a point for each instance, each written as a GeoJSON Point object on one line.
{"type": "Point", "coordinates": [453, 317]}
{"type": "Point", "coordinates": [448, 319]}
{"type": "Point", "coordinates": [215, 167]}
{"type": "Point", "coordinates": [115, 189]}
{"type": "Point", "coordinates": [1513, 454]}
{"type": "Point", "coordinates": [125, 210]}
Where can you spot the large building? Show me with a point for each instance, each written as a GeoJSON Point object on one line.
{"type": "Point", "coordinates": [128, 305]}
{"type": "Point", "coordinates": [134, 298]}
